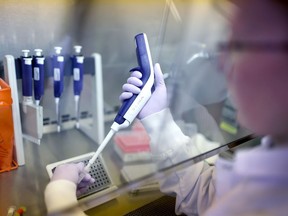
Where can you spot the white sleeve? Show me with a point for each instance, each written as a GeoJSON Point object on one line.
{"type": "Point", "coordinates": [193, 186]}
{"type": "Point", "coordinates": [61, 195]}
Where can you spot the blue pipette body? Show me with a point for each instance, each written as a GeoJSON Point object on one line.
{"type": "Point", "coordinates": [78, 67]}
{"type": "Point", "coordinates": [38, 75]}
{"type": "Point", "coordinates": [26, 67]}
{"type": "Point", "coordinates": [58, 72]}
{"type": "Point", "coordinates": [132, 106]}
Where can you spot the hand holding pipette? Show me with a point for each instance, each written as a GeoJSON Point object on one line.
{"type": "Point", "coordinates": [70, 172]}
{"type": "Point", "coordinates": [132, 106]}
{"type": "Point", "coordinates": [158, 100]}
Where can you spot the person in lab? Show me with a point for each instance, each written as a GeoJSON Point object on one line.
{"type": "Point", "coordinates": [256, 181]}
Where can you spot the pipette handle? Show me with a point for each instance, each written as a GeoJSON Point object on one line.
{"type": "Point", "coordinates": [131, 107]}
{"type": "Point", "coordinates": [38, 74]}
{"type": "Point", "coordinates": [26, 66]}
{"type": "Point", "coordinates": [145, 66]}
{"type": "Point", "coordinates": [78, 67]}
{"type": "Point", "coordinates": [58, 72]}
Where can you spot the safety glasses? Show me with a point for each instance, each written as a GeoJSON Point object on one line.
{"type": "Point", "coordinates": [231, 52]}
{"type": "Point", "coordinates": [244, 46]}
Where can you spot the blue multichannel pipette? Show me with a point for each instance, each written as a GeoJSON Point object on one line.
{"type": "Point", "coordinates": [26, 66]}
{"type": "Point", "coordinates": [131, 107]}
{"type": "Point", "coordinates": [58, 72]}
{"type": "Point", "coordinates": [77, 66]}
{"type": "Point", "coordinates": [38, 74]}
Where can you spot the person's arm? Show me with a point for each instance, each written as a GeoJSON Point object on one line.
{"type": "Point", "coordinates": [60, 193]}
{"type": "Point", "coordinates": [60, 198]}
{"type": "Point", "coordinates": [193, 186]}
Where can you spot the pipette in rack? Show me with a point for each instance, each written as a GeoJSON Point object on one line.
{"type": "Point", "coordinates": [38, 75]}
{"type": "Point", "coordinates": [132, 106]}
{"type": "Point", "coordinates": [31, 115]}
{"type": "Point", "coordinates": [26, 66]}
{"type": "Point", "coordinates": [77, 67]}
{"type": "Point", "coordinates": [58, 73]}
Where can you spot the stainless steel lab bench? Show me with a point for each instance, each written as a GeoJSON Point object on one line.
{"type": "Point", "coordinates": [25, 185]}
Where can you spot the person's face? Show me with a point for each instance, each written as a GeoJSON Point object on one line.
{"type": "Point", "coordinates": [258, 81]}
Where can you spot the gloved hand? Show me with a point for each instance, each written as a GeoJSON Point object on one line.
{"type": "Point", "coordinates": [71, 172]}
{"type": "Point", "coordinates": [158, 100]}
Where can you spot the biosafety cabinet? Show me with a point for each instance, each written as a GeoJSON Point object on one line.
{"type": "Point", "coordinates": [64, 63]}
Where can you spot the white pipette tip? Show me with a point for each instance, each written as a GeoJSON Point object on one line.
{"type": "Point", "coordinates": [77, 125]}
{"type": "Point", "coordinates": [76, 99]}
{"type": "Point", "coordinates": [58, 128]}
{"type": "Point", "coordinates": [57, 113]}
{"type": "Point", "coordinates": [81, 176]}
{"type": "Point", "coordinates": [57, 99]}
{"type": "Point", "coordinates": [100, 149]}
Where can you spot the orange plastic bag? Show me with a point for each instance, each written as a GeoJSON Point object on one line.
{"type": "Point", "coordinates": [6, 128]}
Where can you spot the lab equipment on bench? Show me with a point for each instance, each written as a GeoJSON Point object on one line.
{"type": "Point", "coordinates": [131, 107]}
{"type": "Point", "coordinates": [77, 67]}
{"type": "Point", "coordinates": [102, 185]}
{"type": "Point", "coordinates": [38, 75]}
{"type": "Point", "coordinates": [133, 145]}
{"type": "Point", "coordinates": [125, 116]}
{"type": "Point", "coordinates": [58, 74]}
{"type": "Point", "coordinates": [7, 162]}
{"type": "Point", "coordinates": [32, 123]}
{"type": "Point", "coordinates": [31, 115]}
{"type": "Point", "coordinates": [26, 66]}
{"type": "Point", "coordinates": [91, 110]}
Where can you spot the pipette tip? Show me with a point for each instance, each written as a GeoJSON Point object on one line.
{"type": "Point", "coordinates": [58, 128]}
{"type": "Point", "coordinates": [58, 114]}
{"type": "Point", "coordinates": [76, 99]}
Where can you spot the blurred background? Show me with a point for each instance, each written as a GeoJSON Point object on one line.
{"type": "Point", "coordinates": [176, 30]}
{"type": "Point", "coordinates": [183, 37]}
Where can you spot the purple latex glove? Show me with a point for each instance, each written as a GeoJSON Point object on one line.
{"type": "Point", "coordinates": [71, 172]}
{"type": "Point", "coordinates": [158, 100]}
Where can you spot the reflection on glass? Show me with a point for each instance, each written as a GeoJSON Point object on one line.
{"type": "Point", "coordinates": [183, 36]}
{"type": "Point", "coordinates": [190, 130]}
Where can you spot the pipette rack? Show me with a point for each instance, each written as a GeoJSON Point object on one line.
{"type": "Point", "coordinates": [92, 101]}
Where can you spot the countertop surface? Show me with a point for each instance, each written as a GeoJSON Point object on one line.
{"type": "Point", "coordinates": [25, 186]}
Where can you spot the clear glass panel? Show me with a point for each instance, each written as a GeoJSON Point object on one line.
{"type": "Point", "coordinates": [204, 118]}
{"type": "Point", "coordinates": [183, 37]}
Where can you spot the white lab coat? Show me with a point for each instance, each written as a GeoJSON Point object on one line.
{"type": "Point", "coordinates": [254, 183]}
{"type": "Point", "coordinates": [61, 195]}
